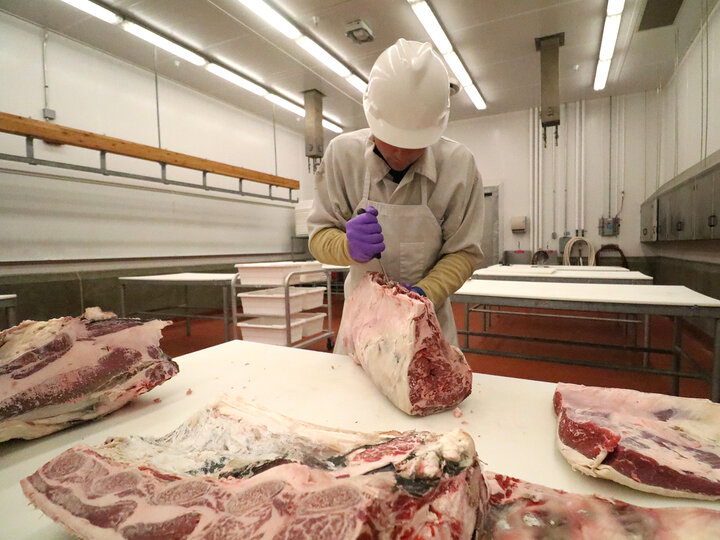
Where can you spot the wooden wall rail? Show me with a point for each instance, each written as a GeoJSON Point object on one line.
{"type": "Point", "coordinates": [9, 123]}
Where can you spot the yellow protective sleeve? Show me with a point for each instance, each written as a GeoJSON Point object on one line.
{"type": "Point", "coordinates": [447, 276]}
{"type": "Point", "coordinates": [330, 246]}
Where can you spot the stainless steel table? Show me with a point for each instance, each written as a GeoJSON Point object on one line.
{"type": "Point", "coordinates": [511, 421]}
{"type": "Point", "coordinates": [565, 274]}
{"type": "Point", "coordinates": [647, 300]}
{"type": "Point", "coordinates": [186, 279]}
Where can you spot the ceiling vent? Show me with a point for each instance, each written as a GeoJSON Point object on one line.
{"type": "Point", "coordinates": [359, 31]}
{"type": "Point", "coordinates": [659, 13]}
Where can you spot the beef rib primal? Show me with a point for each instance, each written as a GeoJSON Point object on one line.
{"type": "Point", "coordinates": [394, 334]}
{"type": "Point", "coordinates": [56, 373]}
{"type": "Point", "coordinates": [652, 442]}
{"type": "Point", "coordinates": [236, 471]}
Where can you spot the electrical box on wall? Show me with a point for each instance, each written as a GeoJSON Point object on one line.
{"type": "Point", "coordinates": [609, 226]}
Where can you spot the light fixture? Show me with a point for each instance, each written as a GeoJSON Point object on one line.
{"type": "Point", "coordinates": [272, 17]}
{"type": "Point", "coordinates": [332, 127]}
{"type": "Point", "coordinates": [95, 10]}
{"type": "Point", "coordinates": [432, 26]}
{"type": "Point", "coordinates": [236, 79]}
{"type": "Point", "coordinates": [452, 60]}
{"type": "Point", "coordinates": [601, 74]}
{"type": "Point", "coordinates": [357, 82]}
{"type": "Point", "coordinates": [166, 44]}
{"type": "Point", "coordinates": [613, 14]}
{"type": "Point", "coordinates": [325, 57]}
{"type": "Point", "coordinates": [475, 97]}
{"type": "Point", "coordinates": [285, 104]}
{"type": "Point", "coordinates": [317, 51]}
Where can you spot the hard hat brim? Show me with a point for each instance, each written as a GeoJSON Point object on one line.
{"type": "Point", "coordinates": [404, 138]}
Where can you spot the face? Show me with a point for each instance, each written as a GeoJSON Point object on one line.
{"type": "Point", "coordinates": [399, 159]}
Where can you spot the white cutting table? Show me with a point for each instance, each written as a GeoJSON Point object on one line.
{"type": "Point", "coordinates": [511, 421]}
{"type": "Point", "coordinates": [661, 300]}
{"type": "Point", "coordinates": [185, 279]}
{"type": "Point", "coordinates": [567, 274]}
{"type": "Point", "coordinates": [9, 303]}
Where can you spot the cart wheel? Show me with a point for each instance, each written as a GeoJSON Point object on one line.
{"type": "Point", "coordinates": [329, 345]}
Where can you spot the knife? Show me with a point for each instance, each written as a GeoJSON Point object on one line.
{"type": "Point", "coordinates": [362, 211]}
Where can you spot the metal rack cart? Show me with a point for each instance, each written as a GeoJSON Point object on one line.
{"type": "Point", "coordinates": [290, 279]}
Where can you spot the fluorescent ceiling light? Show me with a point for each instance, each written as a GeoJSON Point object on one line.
{"type": "Point", "coordinates": [456, 66]}
{"type": "Point", "coordinates": [166, 44]}
{"type": "Point", "coordinates": [272, 17]}
{"type": "Point", "coordinates": [285, 104]}
{"type": "Point", "coordinates": [432, 26]}
{"type": "Point", "coordinates": [601, 74]}
{"type": "Point", "coordinates": [615, 7]}
{"type": "Point", "coordinates": [96, 11]}
{"type": "Point", "coordinates": [609, 37]}
{"type": "Point", "coordinates": [357, 82]}
{"type": "Point", "coordinates": [475, 97]}
{"type": "Point", "coordinates": [325, 57]}
{"type": "Point", "coordinates": [332, 127]}
{"type": "Point", "coordinates": [236, 79]}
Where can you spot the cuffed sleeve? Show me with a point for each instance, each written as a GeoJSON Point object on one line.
{"type": "Point", "coordinates": [330, 246]}
{"type": "Point", "coordinates": [447, 276]}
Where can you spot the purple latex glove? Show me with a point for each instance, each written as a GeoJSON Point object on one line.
{"type": "Point", "coordinates": [364, 233]}
{"type": "Point", "coordinates": [416, 289]}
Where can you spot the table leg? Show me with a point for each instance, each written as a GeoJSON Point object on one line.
{"type": "Point", "coordinates": [715, 381]}
{"type": "Point", "coordinates": [677, 344]}
{"type": "Point", "coordinates": [226, 314]}
{"type": "Point", "coordinates": [187, 319]}
{"type": "Point", "coordinates": [467, 325]}
{"type": "Point", "coordinates": [485, 318]}
{"type": "Point", "coordinates": [646, 339]}
{"type": "Point", "coordinates": [11, 316]}
{"type": "Point", "coordinates": [122, 300]}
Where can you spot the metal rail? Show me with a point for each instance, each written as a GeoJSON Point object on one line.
{"type": "Point", "coordinates": [30, 159]}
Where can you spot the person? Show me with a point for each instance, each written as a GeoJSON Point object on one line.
{"type": "Point", "coordinates": [399, 190]}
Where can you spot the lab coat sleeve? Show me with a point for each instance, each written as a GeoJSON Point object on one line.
{"type": "Point", "coordinates": [330, 246]}
{"type": "Point", "coordinates": [331, 206]}
{"type": "Point", "coordinates": [447, 276]}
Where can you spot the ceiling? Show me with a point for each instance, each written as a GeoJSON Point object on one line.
{"type": "Point", "coordinates": [495, 38]}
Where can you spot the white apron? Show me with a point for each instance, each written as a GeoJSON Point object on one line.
{"type": "Point", "coordinates": [413, 239]}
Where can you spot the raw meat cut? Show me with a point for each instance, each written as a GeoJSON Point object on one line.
{"type": "Point", "coordinates": [652, 442]}
{"type": "Point", "coordinates": [56, 373]}
{"type": "Point", "coordinates": [523, 511]}
{"type": "Point", "coordinates": [236, 471]}
{"type": "Point", "coordinates": [393, 333]}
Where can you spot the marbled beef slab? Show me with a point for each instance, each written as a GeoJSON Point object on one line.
{"type": "Point", "coordinates": [236, 471]}
{"type": "Point", "coordinates": [523, 511]}
{"type": "Point", "coordinates": [56, 373]}
{"type": "Point", "coordinates": [652, 442]}
{"type": "Point", "coordinates": [394, 335]}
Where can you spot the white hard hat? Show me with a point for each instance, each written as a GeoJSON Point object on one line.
{"type": "Point", "coordinates": [407, 101]}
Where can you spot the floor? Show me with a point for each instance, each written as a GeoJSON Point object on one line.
{"type": "Point", "coordinates": [206, 333]}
